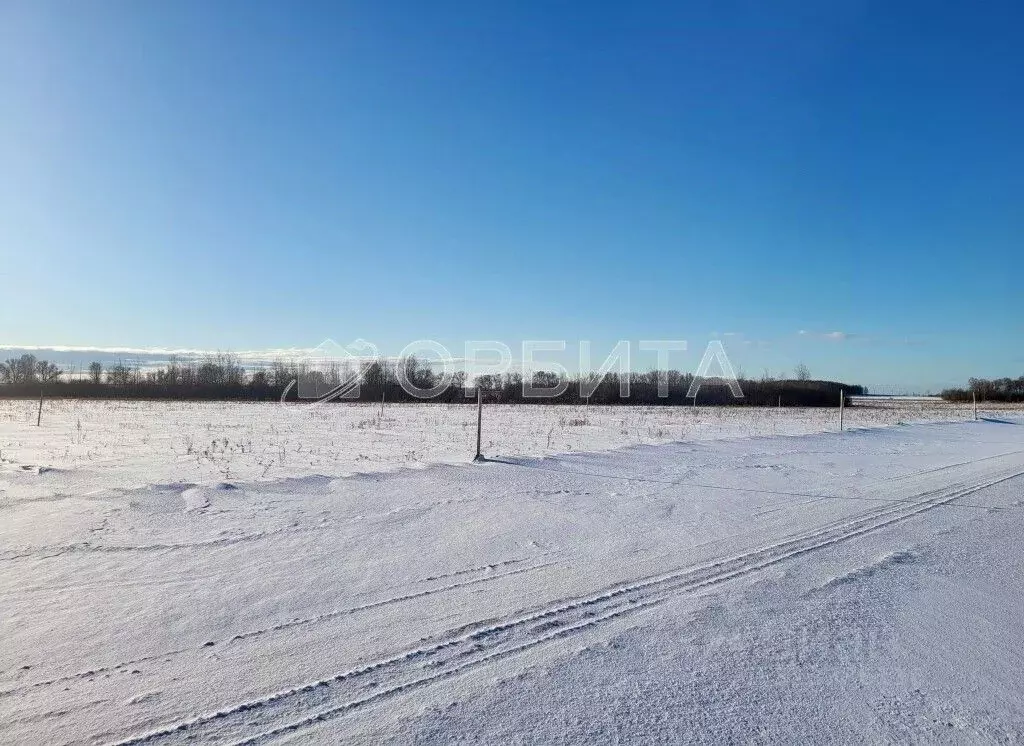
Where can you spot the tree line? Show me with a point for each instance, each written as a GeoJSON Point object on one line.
{"type": "Point", "coordinates": [223, 377]}
{"type": "Point", "coordinates": [996, 389]}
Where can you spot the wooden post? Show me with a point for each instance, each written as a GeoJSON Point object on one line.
{"type": "Point", "coordinates": [780, 401]}
{"type": "Point", "coordinates": [842, 405]}
{"type": "Point", "coordinates": [39, 417]}
{"type": "Point", "coordinates": [479, 422]}
{"type": "Point", "coordinates": [383, 391]}
{"type": "Point", "coordinates": [974, 397]}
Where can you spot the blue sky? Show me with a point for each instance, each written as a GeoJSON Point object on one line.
{"type": "Point", "coordinates": [247, 175]}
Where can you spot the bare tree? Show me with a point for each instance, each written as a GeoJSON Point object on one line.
{"type": "Point", "coordinates": [47, 372]}
{"type": "Point", "coordinates": [802, 372]}
{"type": "Point", "coordinates": [119, 375]}
{"type": "Point", "coordinates": [19, 369]}
{"type": "Point", "coordinates": [95, 372]}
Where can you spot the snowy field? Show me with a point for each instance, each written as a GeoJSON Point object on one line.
{"type": "Point", "coordinates": [137, 443]}
{"type": "Point", "coordinates": [245, 573]}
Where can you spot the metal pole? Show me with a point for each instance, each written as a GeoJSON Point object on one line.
{"type": "Point", "coordinates": [39, 417]}
{"type": "Point", "coordinates": [479, 422]}
{"type": "Point", "coordinates": [842, 404]}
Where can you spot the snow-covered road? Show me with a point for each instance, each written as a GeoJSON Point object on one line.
{"type": "Point", "coordinates": [856, 586]}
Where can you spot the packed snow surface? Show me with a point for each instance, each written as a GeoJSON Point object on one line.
{"type": "Point", "coordinates": [160, 584]}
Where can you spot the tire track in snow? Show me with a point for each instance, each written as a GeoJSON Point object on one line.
{"type": "Point", "coordinates": [799, 502]}
{"type": "Point", "coordinates": [51, 551]}
{"type": "Point", "coordinates": [471, 646]}
{"type": "Point", "coordinates": [290, 624]}
{"type": "Point", "coordinates": [386, 602]}
{"type": "Point", "coordinates": [482, 568]}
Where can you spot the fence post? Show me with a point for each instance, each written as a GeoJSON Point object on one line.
{"type": "Point", "coordinates": [383, 391]}
{"type": "Point", "coordinates": [842, 405]}
{"type": "Point", "coordinates": [974, 397]}
{"type": "Point", "coordinates": [39, 417]}
{"type": "Point", "coordinates": [479, 422]}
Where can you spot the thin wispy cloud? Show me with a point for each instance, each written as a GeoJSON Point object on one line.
{"type": "Point", "coordinates": [834, 336]}
{"type": "Point", "coordinates": [740, 338]}
{"type": "Point", "coordinates": [284, 353]}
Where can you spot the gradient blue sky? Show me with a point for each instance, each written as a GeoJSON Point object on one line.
{"type": "Point", "coordinates": [244, 175]}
